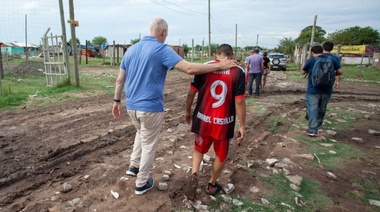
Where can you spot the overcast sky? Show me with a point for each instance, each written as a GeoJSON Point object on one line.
{"type": "Point", "coordinates": [123, 20]}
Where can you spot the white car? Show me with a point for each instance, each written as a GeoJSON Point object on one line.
{"type": "Point", "coordinates": [277, 61]}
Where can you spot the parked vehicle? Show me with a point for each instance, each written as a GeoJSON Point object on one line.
{"type": "Point", "coordinates": [278, 61]}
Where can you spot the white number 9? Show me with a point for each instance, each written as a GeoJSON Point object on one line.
{"type": "Point", "coordinates": [220, 97]}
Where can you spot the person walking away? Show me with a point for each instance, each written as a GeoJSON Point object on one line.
{"type": "Point", "coordinates": [255, 65]}
{"type": "Point", "coordinates": [142, 74]}
{"type": "Point", "coordinates": [267, 69]}
{"type": "Point", "coordinates": [317, 98]}
{"type": "Point", "coordinates": [246, 70]}
{"type": "Point", "coordinates": [327, 48]}
{"type": "Point", "coordinates": [221, 95]}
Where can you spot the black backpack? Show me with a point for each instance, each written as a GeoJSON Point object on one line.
{"type": "Point", "coordinates": [323, 72]}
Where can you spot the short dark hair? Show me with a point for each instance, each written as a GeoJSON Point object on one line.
{"type": "Point", "coordinates": [225, 49]}
{"type": "Point", "coordinates": [328, 46]}
{"type": "Point", "coordinates": [265, 54]}
{"type": "Point", "coordinates": [317, 49]}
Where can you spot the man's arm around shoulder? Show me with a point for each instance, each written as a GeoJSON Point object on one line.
{"type": "Point", "coordinates": [198, 68]}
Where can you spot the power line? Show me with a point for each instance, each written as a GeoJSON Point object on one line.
{"type": "Point", "coordinates": [185, 8]}
{"type": "Point", "coordinates": [170, 8]}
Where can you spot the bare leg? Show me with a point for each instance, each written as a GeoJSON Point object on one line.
{"type": "Point", "coordinates": [197, 159]}
{"type": "Point", "coordinates": [264, 81]}
{"type": "Point", "coordinates": [218, 167]}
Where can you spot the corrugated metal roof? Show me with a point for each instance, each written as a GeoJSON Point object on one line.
{"type": "Point", "coordinates": [16, 44]}
{"type": "Point", "coordinates": [24, 45]}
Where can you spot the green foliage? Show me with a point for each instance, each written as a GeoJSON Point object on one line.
{"type": "Point", "coordinates": [355, 36]}
{"type": "Point", "coordinates": [99, 40]}
{"type": "Point", "coordinates": [213, 48]}
{"type": "Point", "coordinates": [76, 39]}
{"type": "Point", "coordinates": [286, 46]}
{"type": "Point", "coordinates": [313, 195]}
{"type": "Point", "coordinates": [20, 90]}
{"type": "Point", "coordinates": [305, 35]}
{"type": "Point", "coordinates": [360, 73]}
{"type": "Point", "coordinates": [345, 153]}
{"type": "Point", "coordinates": [134, 41]}
{"type": "Point", "coordinates": [185, 49]}
{"type": "Point", "coordinates": [276, 122]}
{"type": "Point", "coordinates": [280, 193]}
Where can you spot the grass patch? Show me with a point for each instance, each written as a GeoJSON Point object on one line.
{"type": "Point", "coordinates": [276, 123]}
{"type": "Point", "coordinates": [314, 197]}
{"type": "Point", "coordinates": [227, 205]}
{"type": "Point", "coordinates": [19, 90]}
{"type": "Point", "coordinates": [345, 153]}
{"type": "Point", "coordinates": [350, 72]}
{"type": "Point", "coordinates": [371, 190]}
{"type": "Point", "coordinates": [337, 116]}
{"type": "Point", "coordinates": [281, 194]}
{"type": "Point", "coordinates": [364, 73]}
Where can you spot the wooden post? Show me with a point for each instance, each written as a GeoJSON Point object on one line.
{"type": "Point", "coordinates": [304, 55]}
{"type": "Point", "coordinates": [86, 53]}
{"type": "Point", "coordinates": [312, 35]}
{"type": "Point", "coordinates": [1, 70]}
{"type": "Point", "coordinates": [64, 40]}
{"type": "Point", "coordinates": [1, 64]}
{"type": "Point", "coordinates": [117, 54]}
{"type": "Point", "coordinates": [73, 23]}
{"type": "Point", "coordinates": [338, 52]}
{"type": "Point", "coordinates": [192, 52]}
{"type": "Point", "coordinates": [113, 53]}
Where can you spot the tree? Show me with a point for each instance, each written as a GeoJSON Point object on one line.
{"type": "Point", "coordinates": [305, 35]}
{"type": "Point", "coordinates": [77, 40]}
{"type": "Point", "coordinates": [213, 49]}
{"type": "Point", "coordinates": [134, 41]}
{"type": "Point", "coordinates": [185, 49]}
{"type": "Point", "coordinates": [99, 40]}
{"type": "Point", "coordinates": [355, 36]}
{"type": "Point", "coordinates": [286, 46]}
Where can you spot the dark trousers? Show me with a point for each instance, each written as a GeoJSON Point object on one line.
{"type": "Point", "coordinates": [257, 78]}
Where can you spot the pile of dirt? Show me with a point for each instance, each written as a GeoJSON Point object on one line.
{"type": "Point", "coordinates": [26, 67]}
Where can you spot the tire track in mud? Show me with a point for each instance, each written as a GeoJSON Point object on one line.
{"type": "Point", "coordinates": [54, 167]}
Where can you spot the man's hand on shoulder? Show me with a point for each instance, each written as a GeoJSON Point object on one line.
{"type": "Point", "coordinates": [226, 63]}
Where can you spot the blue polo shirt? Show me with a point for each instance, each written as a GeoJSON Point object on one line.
{"type": "Point", "coordinates": [146, 64]}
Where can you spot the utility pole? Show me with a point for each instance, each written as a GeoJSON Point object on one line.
{"type": "Point", "coordinates": [1, 70]}
{"type": "Point", "coordinates": [209, 31]}
{"type": "Point", "coordinates": [312, 35]}
{"type": "Point", "coordinates": [235, 40]}
{"type": "Point", "coordinates": [26, 37]}
{"type": "Point", "coordinates": [257, 41]}
{"type": "Point", "coordinates": [64, 40]}
{"type": "Point", "coordinates": [73, 24]}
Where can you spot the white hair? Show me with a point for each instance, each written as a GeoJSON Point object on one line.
{"type": "Point", "coordinates": [157, 25]}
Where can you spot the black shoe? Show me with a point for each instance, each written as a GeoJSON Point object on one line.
{"type": "Point", "coordinates": [132, 171]}
{"type": "Point", "coordinates": [311, 134]}
{"type": "Point", "coordinates": [149, 185]}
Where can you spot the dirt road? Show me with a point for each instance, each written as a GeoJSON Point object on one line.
{"type": "Point", "coordinates": [69, 157]}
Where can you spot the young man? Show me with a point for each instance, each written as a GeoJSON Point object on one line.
{"type": "Point", "coordinates": [221, 95]}
{"type": "Point", "coordinates": [327, 48]}
{"type": "Point", "coordinates": [267, 70]}
{"type": "Point", "coordinates": [255, 67]}
{"type": "Point", "coordinates": [145, 65]}
{"type": "Point", "coordinates": [317, 98]}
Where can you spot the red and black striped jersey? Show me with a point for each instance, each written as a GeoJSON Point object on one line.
{"type": "Point", "coordinates": [215, 112]}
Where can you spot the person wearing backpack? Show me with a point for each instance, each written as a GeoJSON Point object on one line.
{"type": "Point", "coordinates": [320, 71]}
{"type": "Point", "coordinates": [327, 48]}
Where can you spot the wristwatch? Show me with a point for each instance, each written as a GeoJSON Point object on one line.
{"type": "Point", "coordinates": [117, 100]}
